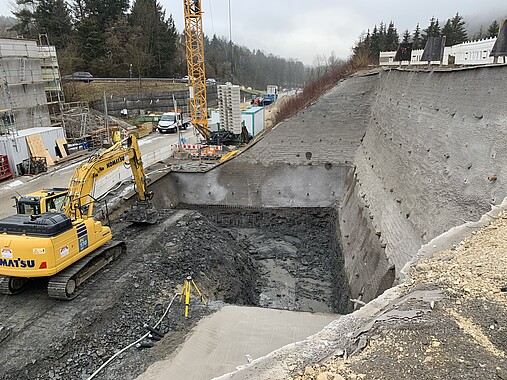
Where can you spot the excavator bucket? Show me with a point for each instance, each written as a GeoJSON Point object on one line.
{"type": "Point", "coordinates": [142, 212]}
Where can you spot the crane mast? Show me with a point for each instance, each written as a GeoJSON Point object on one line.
{"type": "Point", "coordinates": [194, 44]}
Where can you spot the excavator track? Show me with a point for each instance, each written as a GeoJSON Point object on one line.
{"type": "Point", "coordinates": [66, 284]}
{"type": "Point", "coordinates": [12, 285]}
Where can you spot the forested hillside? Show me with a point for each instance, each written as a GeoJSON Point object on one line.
{"type": "Point", "coordinates": [119, 38]}
{"type": "Point", "coordinates": [386, 37]}
{"type": "Point", "coordinates": [111, 38]}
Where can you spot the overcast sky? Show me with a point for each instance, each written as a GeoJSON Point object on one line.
{"type": "Point", "coordinates": [302, 29]}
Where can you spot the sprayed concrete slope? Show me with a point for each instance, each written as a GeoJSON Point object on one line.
{"type": "Point", "coordinates": [232, 337]}
{"type": "Point", "coordinates": [303, 162]}
{"type": "Point", "coordinates": [432, 158]}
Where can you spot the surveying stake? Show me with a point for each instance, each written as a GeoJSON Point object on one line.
{"type": "Point", "coordinates": [186, 291]}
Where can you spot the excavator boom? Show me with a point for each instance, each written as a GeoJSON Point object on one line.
{"type": "Point", "coordinates": [80, 200]}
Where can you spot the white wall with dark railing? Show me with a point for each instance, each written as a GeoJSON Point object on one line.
{"type": "Point", "coordinates": [466, 53]}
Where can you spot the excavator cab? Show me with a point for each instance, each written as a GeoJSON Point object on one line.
{"type": "Point", "coordinates": [38, 202]}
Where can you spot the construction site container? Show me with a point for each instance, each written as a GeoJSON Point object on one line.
{"type": "Point", "coordinates": [253, 118]}
{"type": "Point", "coordinates": [16, 148]}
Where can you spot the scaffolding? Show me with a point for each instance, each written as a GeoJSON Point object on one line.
{"type": "Point", "coordinates": [52, 81]}
{"type": "Point", "coordinates": [23, 102]}
{"type": "Point", "coordinates": [75, 116]}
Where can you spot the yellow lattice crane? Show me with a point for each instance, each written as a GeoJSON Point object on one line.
{"type": "Point", "coordinates": [194, 44]}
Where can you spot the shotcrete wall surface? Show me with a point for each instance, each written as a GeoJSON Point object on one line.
{"type": "Point", "coordinates": [328, 131]}
{"type": "Point", "coordinates": [303, 162]}
{"type": "Point", "coordinates": [255, 185]}
{"type": "Point", "coordinates": [433, 156]}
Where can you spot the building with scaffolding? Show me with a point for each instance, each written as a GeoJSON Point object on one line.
{"type": "Point", "coordinates": [30, 102]}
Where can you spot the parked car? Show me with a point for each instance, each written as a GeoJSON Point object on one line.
{"type": "Point", "coordinates": [211, 81]}
{"type": "Point", "coordinates": [185, 79]}
{"type": "Point", "coordinates": [83, 76]}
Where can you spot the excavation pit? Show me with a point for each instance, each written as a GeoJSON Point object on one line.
{"type": "Point", "coordinates": [296, 255]}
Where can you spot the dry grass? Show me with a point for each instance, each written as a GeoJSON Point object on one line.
{"type": "Point", "coordinates": [314, 90]}
{"type": "Point", "coordinates": [88, 92]}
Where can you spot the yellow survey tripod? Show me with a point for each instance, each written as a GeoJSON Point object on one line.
{"type": "Point", "coordinates": [186, 292]}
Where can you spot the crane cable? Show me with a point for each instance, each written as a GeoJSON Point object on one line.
{"type": "Point", "coordinates": [211, 14]}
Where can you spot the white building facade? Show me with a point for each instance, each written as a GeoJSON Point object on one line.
{"type": "Point", "coordinates": [466, 53]}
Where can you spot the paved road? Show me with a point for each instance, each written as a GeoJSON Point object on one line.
{"type": "Point", "coordinates": [156, 146]}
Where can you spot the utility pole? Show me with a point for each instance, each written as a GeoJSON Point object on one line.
{"type": "Point", "coordinates": [176, 115]}
{"type": "Point", "coordinates": [107, 120]}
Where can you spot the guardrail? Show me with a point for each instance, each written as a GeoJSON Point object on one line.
{"type": "Point", "coordinates": [124, 79]}
{"type": "Point", "coordinates": [174, 80]}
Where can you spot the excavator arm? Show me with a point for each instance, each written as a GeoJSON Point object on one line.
{"type": "Point", "coordinates": [80, 200]}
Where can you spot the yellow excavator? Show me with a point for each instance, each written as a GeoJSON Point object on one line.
{"type": "Point", "coordinates": [69, 245]}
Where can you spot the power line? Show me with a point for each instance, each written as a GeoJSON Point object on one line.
{"type": "Point", "coordinates": [211, 14]}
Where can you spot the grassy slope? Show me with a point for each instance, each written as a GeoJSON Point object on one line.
{"type": "Point", "coordinates": [80, 91]}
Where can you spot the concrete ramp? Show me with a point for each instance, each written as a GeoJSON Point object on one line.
{"type": "Point", "coordinates": [232, 336]}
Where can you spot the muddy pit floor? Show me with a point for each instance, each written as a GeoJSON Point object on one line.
{"type": "Point", "coordinates": [42, 338]}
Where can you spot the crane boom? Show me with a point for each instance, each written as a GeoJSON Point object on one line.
{"type": "Point", "coordinates": [194, 45]}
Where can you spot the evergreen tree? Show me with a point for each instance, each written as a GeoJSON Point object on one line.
{"type": "Point", "coordinates": [374, 46]}
{"type": "Point", "coordinates": [448, 32]}
{"type": "Point", "coordinates": [406, 36]}
{"type": "Point", "coordinates": [361, 51]}
{"type": "Point", "coordinates": [51, 17]}
{"type": "Point", "coordinates": [433, 30]}
{"type": "Point", "coordinates": [158, 36]}
{"type": "Point", "coordinates": [89, 43]}
{"type": "Point", "coordinates": [104, 12]}
{"type": "Point", "coordinates": [454, 31]}
{"type": "Point", "coordinates": [26, 21]}
{"type": "Point", "coordinates": [392, 38]}
{"type": "Point", "coordinates": [493, 29]}
{"type": "Point", "coordinates": [417, 38]}
{"type": "Point", "coordinates": [382, 33]}
{"type": "Point", "coordinates": [93, 18]}
{"type": "Point", "coordinates": [480, 34]}
{"type": "Point", "coordinates": [119, 43]}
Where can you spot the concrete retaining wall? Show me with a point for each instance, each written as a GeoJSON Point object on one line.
{"type": "Point", "coordinates": [434, 154]}
{"type": "Point", "coordinates": [256, 185]}
{"type": "Point", "coordinates": [156, 102]}
{"type": "Point", "coordinates": [368, 270]}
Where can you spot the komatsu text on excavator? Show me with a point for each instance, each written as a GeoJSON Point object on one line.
{"type": "Point", "coordinates": [66, 243]}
